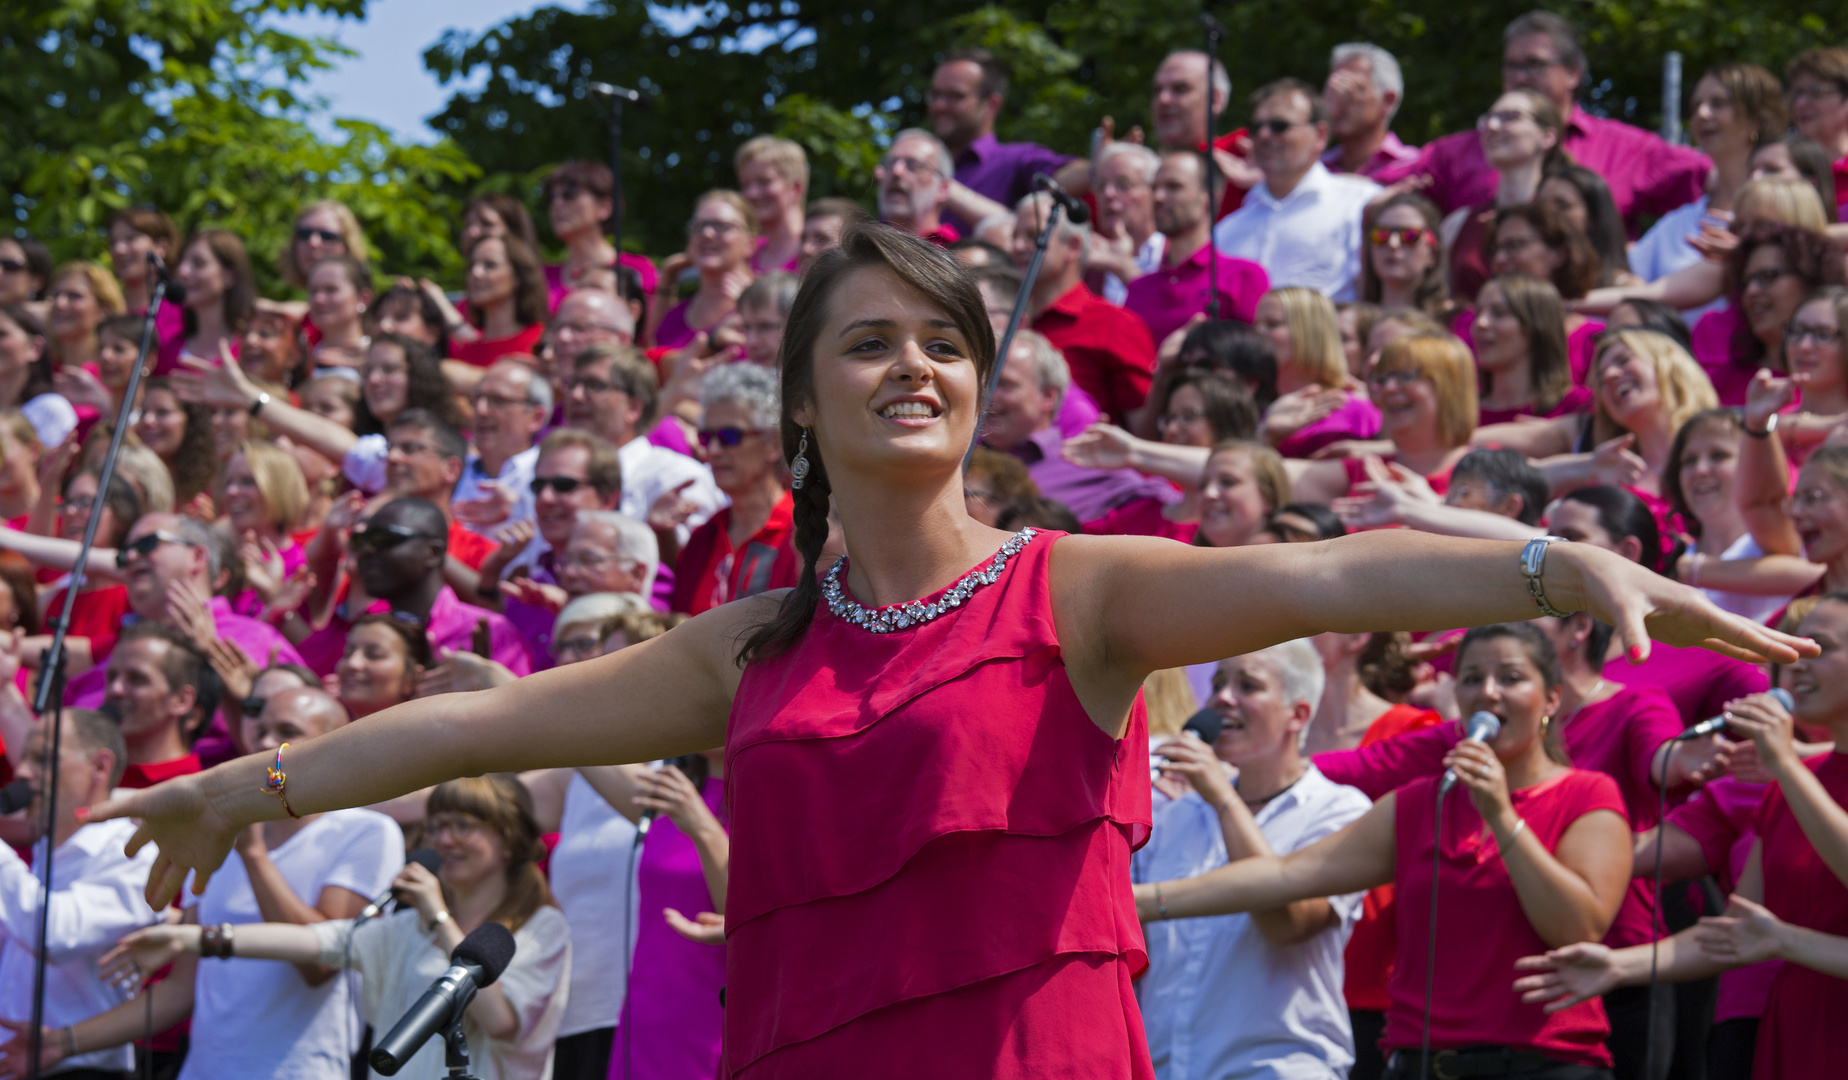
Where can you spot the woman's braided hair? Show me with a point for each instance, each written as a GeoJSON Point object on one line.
{"type": "Point", "coordinates": [926, 269]}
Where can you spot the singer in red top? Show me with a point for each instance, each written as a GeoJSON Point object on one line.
{"type": "Point", "coordinates": [1537, 852]}
{"type": "Point", "coordinates": [943, 890]}
{"type": "Point", "coordinates": [1791, 901]}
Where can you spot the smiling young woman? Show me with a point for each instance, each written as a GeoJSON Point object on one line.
{"type": "Point", "coordinates": [901, 730]}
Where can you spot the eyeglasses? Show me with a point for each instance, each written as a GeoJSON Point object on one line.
{"type": "Point", "coordinates": [915, 166]}
{"type": "Point", "coordinates": [1275, 126]}
{"type": "Point", "coordinates": [717, 228]}
{"type": "Point", "coordinates": [11, 266]}
{"type": "Point", "coordinates": [1177, 419]}
{"type": "Point", "coordinates": [1501, 118]}
{"type": "Point", "coordinates": [1514, 245]}
{"type": "Point", "coordinates": [1813, 91]}
{"type": "Point", "coordinates": [252, 707]}
{"type": "Point", "coordinates": [144, 546]}
{"type": "Point", "coordinates": [1797, 333]}
{"type": "Point", "coordinates": [1811, 498]}
{"type": "Point", "coordinates": [379, 537]}
{"type": "Point", "coordinates": [564, 485]}
{"type": "Point", "coordinates": [1764, 279]}
{"type": "Point", "coordinates": [79, 504]}
{"type": "Point", "coordinates": [567, 192]}
{"type": "Point", "coordinates": [591, 560]}
{"type": "Point", "coordinates": [325, 236]}
{"type": "Point", "coordinates": [1396, 238]}
{"type": "Point", "coordinates": [1399, 377]}
{"type": "Point", "coordinates": [577, 645]}
{"type": "Point", "coordinates": [482, 397]}
{"type": "Point", "coordinates": [728, 437]}
{"type": "Point", "coordinates": [590, 385]}
{"type": "Point", "coordinates": [1530, 67]}
{"type": "Point", "coordinates": [459, 826]}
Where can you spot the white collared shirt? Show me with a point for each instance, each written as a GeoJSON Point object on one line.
{"type": "Point", "coordinates": [95, 900]}
{"type": "Point", "coordinates": [1310, 237]}
{"type": "Point", "coordinates": [1148, 260]}
{"type": "Point", "coordinates": [650, 471]}
{"type": "Point", "coordinates": [515, 476]}
{"type": "Point", "coordinates": [1219, 1001]}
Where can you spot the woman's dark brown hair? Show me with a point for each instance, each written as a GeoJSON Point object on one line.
{"type": "Point", "coordinates": [531, 301]}
{"type": "Point", "coordinates": [19, 579]}
{"type": "Point", "coordinates": [1727, 419]}
{"type": "Point", "coordinates": [511, 211]}
{"type": "Point", "coordinates": [1541, 654]}
{"type": "Point", "coordinates": [408, 629]}
{"type": "Point", "coordinates": [240, 295]}
{"type": "Point", "coordinates": [501, 803]}
{"type": "Point", "coordinates": [925, 268]}
{"type": "Point", "coordinates": [194, 464]}
{"type": "Point", "coordinates": [1229, 408]}
{"type": "Point", "coordinates": [1432, 293]}
{"type": "Point", "coordinates": [39, 381]}
{"type": "Point", "coordinates": [1535, 304]}
{"type": "Point", "coordinates": [424, 386]}
{"type": "Point", "coordinates": [1581, 269]}
{"type": "Point", "coordinates": [1807, 254]}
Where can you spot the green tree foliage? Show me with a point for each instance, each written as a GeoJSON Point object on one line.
{"type": "Point", "coordinates": [111, 103]}
{"type": "Point", "coordinates": [840, 77]}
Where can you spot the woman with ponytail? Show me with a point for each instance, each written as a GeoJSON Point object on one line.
{"type": "Point", "coordinates": [935, 774]}
{"type": "Point", "coordinates": [484, 831]}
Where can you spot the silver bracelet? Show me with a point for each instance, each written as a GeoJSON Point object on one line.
{"type": "Point", "coordinates": [1533, 564]}
{"type": "Point", "coordinates": [1519, 824]}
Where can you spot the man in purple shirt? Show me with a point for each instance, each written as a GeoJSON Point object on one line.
{"type": "Point", "coordinates": [1364, 90]}
{"type": "Point", "coordinates": [1176, 291]}
{"type": "Point", "coordinates": [1540, 52]}
{"type": "Point", "coordinates": [1021, 421]}
{"type": "Point", "coordinates": [966, 94]}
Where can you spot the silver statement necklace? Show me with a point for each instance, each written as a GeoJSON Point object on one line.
{"type": "Point", "coordinates": [916, 612]}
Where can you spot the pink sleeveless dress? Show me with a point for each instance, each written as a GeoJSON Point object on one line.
{"type": "Point", "coordinates": [930, 849]}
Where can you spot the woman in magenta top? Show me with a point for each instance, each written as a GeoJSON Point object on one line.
{"type": "Point", "coordinates": [937, 767]}
{"type": "Point", "coordinates": [720, 240]}
{"type": "Point", "coordinates": [773, 176]}
{"type": "Point", "coordinates": [1767, 276]}
{"type": "Point", "coordinates": [1315, 404]}
{"type": "Point", "coordinates": [1532, 851]}
{"type": "Point", "coordinates": [1791, 900]}
{"type": "Point", "coordinates": [1535, 240]}
{"type": "Point", "coordinates": [1519, 338]}
{"type": "Point", "coordinates": [506, 301]}
{"type": "Point", "coordinates": [1200, 409]}
{"type": "Point", "coordinates": [580, 204]}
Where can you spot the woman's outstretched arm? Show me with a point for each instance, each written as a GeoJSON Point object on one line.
{"type": "Point", "coordinates": [665, 697]}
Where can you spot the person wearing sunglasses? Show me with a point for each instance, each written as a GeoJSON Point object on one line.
{"type": "Point", "coordinates": [25, 270]}
{"type": "Point", "coordinates": [579, 200]}
{"type": "Point", "coordinates": [1302, 224]}
{"type": "Point", "coordinates": [747, 547]}
{"type": "Point", "coordinates": [720, 240]}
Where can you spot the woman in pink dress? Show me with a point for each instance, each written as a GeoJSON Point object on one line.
{"type": "Point", "coordinates": [936, 764]}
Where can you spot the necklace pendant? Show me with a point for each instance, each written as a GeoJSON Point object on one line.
{"type": "Point", "coordinates": [915, 613]}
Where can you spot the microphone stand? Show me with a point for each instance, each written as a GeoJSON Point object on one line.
{"type": "Point", "coordinates": [455, 1045]}
{"type": "Point", "coordinates": [617, 95]}
{"type": "Point", "coordinates": [1214, 32]}
{"type": "Point", "coordinates": [1013, 320]}
{"type": "Point", "coordinates": [50, 692]}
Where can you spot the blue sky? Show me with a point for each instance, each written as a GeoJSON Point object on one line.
{"type": "Point", "coordinates": [386, 83]}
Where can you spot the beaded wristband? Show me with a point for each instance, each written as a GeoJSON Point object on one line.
{"type": "Point", "coordinates": [276, 782]}
{"type": "Point", "coordinates": [1161, 906]}
{"type": "Point", "coordinates": [215, 941]}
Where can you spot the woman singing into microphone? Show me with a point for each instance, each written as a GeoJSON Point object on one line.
{"type": "Point", "coordinates": [1536, 852]}
{"type": "Point", "coordinates": [935, 752]}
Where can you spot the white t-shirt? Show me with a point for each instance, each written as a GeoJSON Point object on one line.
{"type": "Point", "coordinates": [588, 878]}
{"type": "Point", "coordinates": [398, 959]}
{"type": "Point", "coordinates": [1755, 608]}
{"type": "Point", "coordinates": [1664, 249]}
{"type": "Point", "coordinates": [259, 1018]}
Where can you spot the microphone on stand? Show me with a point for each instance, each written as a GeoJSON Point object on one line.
{"type": "Point", "coordinates": [423, 856]}
{"type": "Point", "coordinates": [608, 90]}
{"type": "Point", "coordinates": [1482, 727]}
{"type": "Point", "coordinates": [475, 964]}
{"type": "Point", "coordinates": [1718, 723]}
{"type": "Point", "coordinates": [1075, 208]}
{"type": "Point", "coordinates": [176, 292]}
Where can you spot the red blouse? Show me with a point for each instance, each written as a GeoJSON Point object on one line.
{"type": "Point", "coordinates": [930, 857]}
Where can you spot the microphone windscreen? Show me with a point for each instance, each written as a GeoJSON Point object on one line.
{"type": "Point", "coordinates": [426, 858]}
{"type": "Point", "coordinates": [1783, 698]}
{"type": "Point", "coordinates": [1207, 723]}
{"type": "Point", "coordinates": [15, 797]}
{"type": "Point", "coordinates": [176, 293]}
{"type": "Point", "coordinates": [1078, 212]}
{"type": "Point", "coordinates": [489, 947]}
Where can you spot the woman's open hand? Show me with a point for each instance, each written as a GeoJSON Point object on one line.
{"type": "Point", "coordinates": [1565, 977]}
{"type": "Point", "coordinates": [1746, 934]}
{"type": "Point", "coordinates": [179, 817]}
{"type": "Point", "coordinates": [133, 959]}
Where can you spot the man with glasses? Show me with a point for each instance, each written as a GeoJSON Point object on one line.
{"type": "Point", "coordinates": [1540, 51]}
{"type": "Point", "coordinates": [614, 393]}
{"type": "Point", "coordinates": [608, 552]}
{"type": "Point", "coordinates": [914, 186]}
{"type": "Point", "coordinates": [1816, 83]}
{"type": "Point", "coordinates": [1302, 224]}
{"type": "Point", "coordinates": [173, 566]}
{"type": "Point", "coordinates": [512, 405]}
{"type": "Point", "coordinates": [1126, 244]}
{"type": "Point", "coordinates": [1177, 290]}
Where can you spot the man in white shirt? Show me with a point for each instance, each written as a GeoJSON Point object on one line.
{"type": "Point", "coordinates": [512, 405]}
{"type": "Point", "coordinates": [96, 892]}
{"type": "Point", "coordinates": [1258, 994]}
{"type": "Point", "coordinates": [1302, 224]}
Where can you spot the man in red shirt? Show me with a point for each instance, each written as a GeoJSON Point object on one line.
{"type": "Point", "coordinates": [1109, 350]}
{"type": "Point", "coordinates": [162, 691]}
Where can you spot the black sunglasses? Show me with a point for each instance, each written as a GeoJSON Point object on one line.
{"type": "Point", "coordinates": [252, 707]}
{"type": "Point", "coordinates": [326, 236]}
{"type": "Point", "coordinates": [1274, 127]}
{"type": "Point", "coordinates": [145, 546]}
{"type": "Point", "coordinates": [380, 537]}
{"type": "Point", "coordinates": [11, 266]}
{"type": "Point", "coordinates": [564, 485]}
{"type": "Point", "coordinates": [725, 436]}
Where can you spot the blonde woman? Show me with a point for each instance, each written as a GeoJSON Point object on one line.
{"type": "Point", "coordinates": [1315, 405]}
{"type": "Point", "coordinates": [82, 295]}
{"type": "Point", "coordinates": [263, 496]}
{"type": "Point", "coordinates": [721, 238]}
{"type": "Point", "coordinates": [1647, 387]}
{"type": "Point", "coordinates": [322, 230]}
{"type": "Point", "coordinates": [773, 176]}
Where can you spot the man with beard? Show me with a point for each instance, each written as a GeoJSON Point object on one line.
{"type": "Point", "coordinates": [1177, 291]}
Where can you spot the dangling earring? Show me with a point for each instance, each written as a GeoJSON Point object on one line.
{"type": "Point", "coordinates": [799, 468]}
{"type": "Point", "coordinates": [1544, 721]}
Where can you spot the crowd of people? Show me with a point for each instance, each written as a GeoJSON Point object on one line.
{"type": "Point", "coordinates": [374, 490]}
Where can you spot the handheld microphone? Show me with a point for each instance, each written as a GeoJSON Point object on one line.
{"type": "Point", "coordinates": [1482, 727]}
{"type": "Point", "coordinates": [1075, 208]}
{"type": "Point", "coordinates": [634, 97]}
{"type": "Point", "coordinates": [15, 797]}
{"type": "Point", "coordinates": [1718, 723]}
{"type": "Point", "coordinates": [176, 292]}
{"type": "Point", "coordinates": [423, 856]}
{"type": "Point", "coordinates": [475, 964]}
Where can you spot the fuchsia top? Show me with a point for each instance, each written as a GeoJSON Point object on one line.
{"type": "Point", "coordinates": [1699, 681]}
{"type": "Point", "coordinates": [1473, 1000]}
{"type": "Point", "coordinates": [1357, 418]}
{"type": "Point", "coordinates": [1719, 816]}
{"type": "Point", "coordinates": [930, 852]}
{"type": "Point", "coordinates": [1800, 1035]}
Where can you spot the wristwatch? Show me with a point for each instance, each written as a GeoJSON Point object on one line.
{"type": "Point", "coordinates": [1533, 564]}
{"type": "Point", "coordinates": [1770, 426]}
